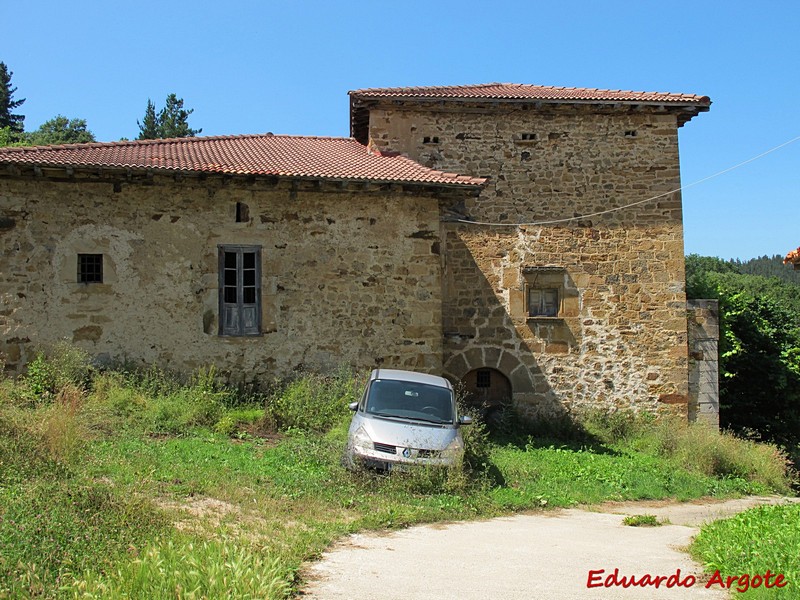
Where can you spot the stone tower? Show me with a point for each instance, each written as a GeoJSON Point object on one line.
{"type": "Point", "coordinates": [563, 282]}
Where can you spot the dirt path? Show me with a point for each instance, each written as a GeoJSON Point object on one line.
{"type": "Point", "coordinates": [549, 555]}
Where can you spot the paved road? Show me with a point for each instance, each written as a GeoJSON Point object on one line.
{"type": "Point", "coordinates": [547, 555]}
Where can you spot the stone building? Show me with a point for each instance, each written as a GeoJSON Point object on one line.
{"type": "Point", "coordinates": [525, 240]}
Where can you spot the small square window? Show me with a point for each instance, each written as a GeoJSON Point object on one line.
{"type": "Point", "coordinates": [90, 268]}
{"type": "Point", "coordinates": [543, 302]}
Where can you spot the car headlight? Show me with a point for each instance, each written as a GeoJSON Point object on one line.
{"type": "Point", "coordinates": [454, 449]}
{"type": "Point", "coordinates": [362, 440]}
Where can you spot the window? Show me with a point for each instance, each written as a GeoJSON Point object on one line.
{"type": "Point", "coordinates": [483, 378]}
{"type": "Point", "coordinates": [549, 293]}
{"type": "Point", "coordinates": [90, 268]}
{"type": "Point", "coordinates": [239, 290]}
{"type": "Point", "coordinates": [543, 302]}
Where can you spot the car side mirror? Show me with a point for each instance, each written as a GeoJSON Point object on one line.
{"type": "Point", "coordinates": [353, 406]}
{"type": "Point", "coordinates": [465, 420]}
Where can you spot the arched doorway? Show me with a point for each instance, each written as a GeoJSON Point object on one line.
{"type": "Point", "coordinates": [489, 391]}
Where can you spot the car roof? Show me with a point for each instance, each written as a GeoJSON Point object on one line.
{"type": "Point", "coordinates": [412, 376]}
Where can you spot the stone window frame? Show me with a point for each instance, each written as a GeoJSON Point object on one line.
{"type": "Point", "coordinates": [545, 279]}
{"type": "Point", "coordinates": [240, 295]}
{"type": "Point", "coordinates": [90, 268]}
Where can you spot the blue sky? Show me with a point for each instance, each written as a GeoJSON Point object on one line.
{"type": "Point", "coordinates": [286, 67]}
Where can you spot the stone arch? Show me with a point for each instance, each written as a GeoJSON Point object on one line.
{"type": "Point", "coordinates": [487, 387]}
{"type": "Point", "coordinates": [518, 374]}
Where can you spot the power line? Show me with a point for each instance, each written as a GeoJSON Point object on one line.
{"type": "Point", "coordinates": [611, 210]}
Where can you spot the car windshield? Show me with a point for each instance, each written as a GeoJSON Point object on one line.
{"type": "Point", "coordinates": [409, 400]}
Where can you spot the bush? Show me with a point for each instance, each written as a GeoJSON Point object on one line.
{"type": "Point", "coordinates": [61, 365]}
{"type": "Point", "coordinates": [314, 402]}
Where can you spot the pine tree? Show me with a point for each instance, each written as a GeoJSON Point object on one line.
{"type": "Point", "coordinates": [15, 123]}
{"type": "Point", "coordinates": [170, 122]}
{"type": "Point", "coordinates": [149, 127]}
{"type": "Point", "coordinates": [174, 119]}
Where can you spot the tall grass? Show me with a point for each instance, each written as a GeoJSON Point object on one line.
{"type": "Point", "coordinates": [190, 569]}
{"type": "Point", "coordinates": [695, 447]}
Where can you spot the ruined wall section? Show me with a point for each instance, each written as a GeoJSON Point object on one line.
{"type": "Point", "coordinates": [334, 291]}
{"type": "Point", "coordinates": [620, 337]}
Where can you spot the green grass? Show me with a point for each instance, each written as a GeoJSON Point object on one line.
{"type": "Point", "coordinates": [750, 543]}
{"type": "Point", "coordinates": [138, 484]}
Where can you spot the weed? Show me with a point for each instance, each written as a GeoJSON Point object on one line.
{"type": "Point", "coordinates": [641, 521]}
{"type": "Point", "coordinates": [766, 537]}
{"type": "Point", "coordinates": [60, 365]}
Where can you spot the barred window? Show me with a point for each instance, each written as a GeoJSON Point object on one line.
{"type": "Point", "coordinates": [90, 268]}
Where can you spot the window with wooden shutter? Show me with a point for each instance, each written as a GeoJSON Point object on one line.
{"type": "Point", "coordinates": [543, 302]}
{"type": "Point", "coordinates": [239, 290]}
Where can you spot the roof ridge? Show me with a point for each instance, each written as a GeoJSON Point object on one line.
{"type": "Point", "coordinates": [420, 91]}
{"type": "Point", "coordinates": [175, 140]}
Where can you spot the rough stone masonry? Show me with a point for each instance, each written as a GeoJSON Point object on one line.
{"type": "Point", "coordinates": [557, 285]}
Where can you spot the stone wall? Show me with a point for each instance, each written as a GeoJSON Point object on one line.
{"type": "Point", "coordinates": [620, 337]}
{"type": "Point", "coordinates": [704, 361]}
{"type": "Point", "coordinates": [347, 277]}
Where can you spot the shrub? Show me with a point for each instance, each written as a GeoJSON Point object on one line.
{"type": "Point", "coordinates": [61, 365]}
{"type": "Point", "coordinates": [314, 402]}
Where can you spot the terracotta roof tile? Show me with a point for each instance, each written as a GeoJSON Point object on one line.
{"type": "Point", "coordinates": [268, 155]}
{"type": "Point", "coordinates": [793, 257]}
{"type": "Point", "coordinates": [517, 91]}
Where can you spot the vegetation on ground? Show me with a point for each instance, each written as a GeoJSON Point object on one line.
{"type": "Point", "coordinates": [641, 521]}
{"type": "Point", "coordinates": [752, 543]}
{"type": "Point", "coordinates": [134, 483]}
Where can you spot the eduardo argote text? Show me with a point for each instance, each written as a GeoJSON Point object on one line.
{"type": "Point", "coordinates": [600, 578]}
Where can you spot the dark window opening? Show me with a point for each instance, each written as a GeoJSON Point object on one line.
{"type": "Point", "coordinates": [90, 268]}
{"type": "Point", "coordinates": [529, 137]}
{"type": "Point", "coordinates": [240, 290]}
{"type": "Point", "coordinates": [631, 133]}
{"type": "Point", "coordinates": [543, 302]}
{"type": "Point", "coordinates": [483, 378]}
{"type": "Point", "coordinates": [430, 139]}
{"type": "Point", "coordinates": [242, 212]}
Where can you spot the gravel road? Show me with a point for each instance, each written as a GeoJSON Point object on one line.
{"type": "Point", "coordinates": [543, 555]}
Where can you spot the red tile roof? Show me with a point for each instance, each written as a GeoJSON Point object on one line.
{"type": "Point", "coordinates": [517, 91]}
{"type": "Point", "coordinates": [268, 155]}
{"type": "Point", "coordinates": [794, 258]}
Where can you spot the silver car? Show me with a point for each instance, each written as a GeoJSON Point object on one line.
{"type": "Point", "coordinates": [405, 418]}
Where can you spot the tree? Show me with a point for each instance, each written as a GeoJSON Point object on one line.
{"type": "Point", "coordinates": [60, 130]}
{"type": "Point", "coordinates": [759, 348]}
{"type": "Point", "coordinates": [171, 121]}
{"type": "Point", "coordinates": [15, 123]}
{"type": "Point", "coordinates": [149, 127]}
